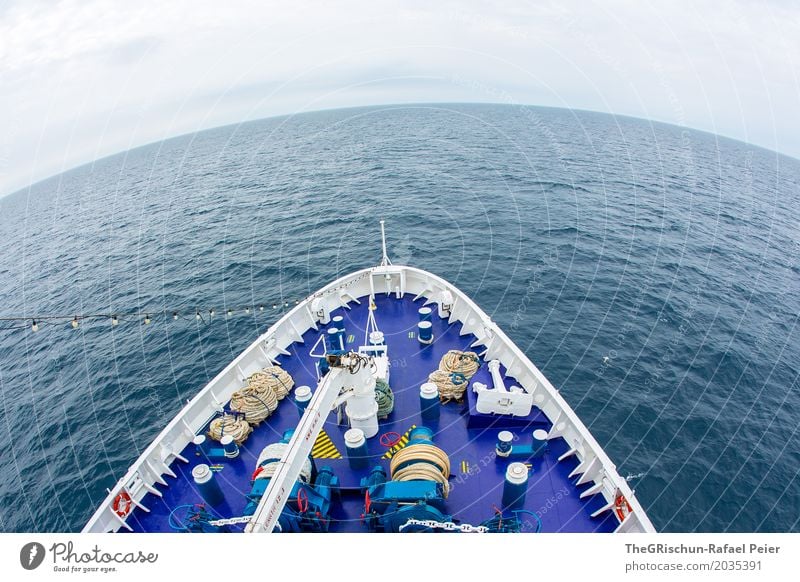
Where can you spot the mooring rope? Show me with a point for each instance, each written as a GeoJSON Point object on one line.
{"type": "Point", "coordinates": [421, 462]}
{"type": "Point", "coordinates": [451, 386]}
{"type": "Point", "coordinates": [272, 378]}
{"type": "Point", "coordinates": [260, 397]}
{"type": "Point", "coordinates": [384, 397]}
{"type": "Point", "coordinates": [236, 426]}
{"type": "Point", "coordinates": [255, 407]}
{"type": "Point", "coordinates": [268, 463]}
{"type": "Point", "coordinates": [455, 370]}
{"type": "Point", "coordinates": [455, 361]}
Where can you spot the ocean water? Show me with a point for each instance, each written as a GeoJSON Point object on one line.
{"type": "Point", "coordinates": [650, 271]}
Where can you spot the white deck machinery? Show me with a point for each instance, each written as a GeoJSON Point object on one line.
{"type": "Point", "coordinates": [347, 378]}
{"type": "Point", "coordinates": [350, 378]}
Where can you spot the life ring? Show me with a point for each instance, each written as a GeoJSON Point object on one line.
{"type": "Point", "coordinates": [622, 507]}
{"type": "Point", "coordinates": [122, 504]}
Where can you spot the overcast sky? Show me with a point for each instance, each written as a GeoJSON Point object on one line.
{"type": "Point", "coordinates": [81, 79]}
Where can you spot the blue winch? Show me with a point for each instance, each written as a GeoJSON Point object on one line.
{"type": "Point", "coordinates": [309, 503]}
{"type": "Point", "coordinates": [416, 492]}
{"type": "Point", "coordinates": [388, 505]}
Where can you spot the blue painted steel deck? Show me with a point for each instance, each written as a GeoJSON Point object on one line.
{"type": "Point", "coordinates": [474, 493]}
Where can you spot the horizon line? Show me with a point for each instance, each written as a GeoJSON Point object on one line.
{"type": "Point", "coordinates": [426, 104]}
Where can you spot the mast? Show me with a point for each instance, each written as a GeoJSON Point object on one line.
{"type": "Point", "coordinates": [385, 260]}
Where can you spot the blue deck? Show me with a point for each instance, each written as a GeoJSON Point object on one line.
{"type": "Point", "coordinates": [477, 476]}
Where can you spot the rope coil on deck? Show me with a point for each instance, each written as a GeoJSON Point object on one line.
{"type": "Point", "coordinates": [235, 426]}
{"type": "Point", "coordinates": [451, 387]}
{"type": "Point", "coordinates": [421, 462]}
{"type": "Point", "coordinates": [272, 378]}
{"type": "Point", "coordinates": [456, 361]}
{"type": "Point", "coordinates": [255, 406]}
{"type": "Point", "coordinates": [384, 397]}
{"type": "Point", "coordinates": [260, 397]}
{"type": "Point", "coordinates": [455, 370]}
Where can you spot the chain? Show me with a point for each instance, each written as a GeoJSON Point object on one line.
{"type": "Point", "coordinates": [231, 520]}
{"type": "Point", "coordinates": [446, 526]}
{"type": "Point", "coordinates": [429, 523]}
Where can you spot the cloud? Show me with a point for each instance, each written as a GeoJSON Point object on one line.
{"type": "Point", "coordinates": [83, 79]}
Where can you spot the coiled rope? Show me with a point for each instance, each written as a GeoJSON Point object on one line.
{"type": "Point", "coordinates": [421, 463]}
{"type": "Point", "coordinates": [260, 397]}
{"type": "Point", "coordinates": [451, 386]}
{"type": "Point", "coordinates": [230, 424]}
{"type": "Point", "coordinates": [268, 463]}
{"type": "Point", "coordinates": [455, 370]}
{"type": "Point", "coordinates": [466, 363]}
{"type": "Point", "coordinates": [255, 407]}
{"type": "Point", "coordinates": [384, 397]}
{"type": "Point", "coordinates": [273, 378]}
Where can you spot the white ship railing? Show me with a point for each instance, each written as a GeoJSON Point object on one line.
{"type": "Point", "coordinates": [154, 463]}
